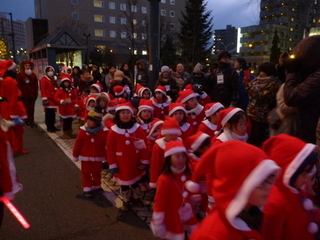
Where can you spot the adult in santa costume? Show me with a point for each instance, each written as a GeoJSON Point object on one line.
{"type": "Point", "coordinates": [9, 183]}
{"type": "Point", "coordinates": [286, 214]}
{"type": "Point", "coordinates": [12, 109]}
{"type": "Point", "coordinates": [28, 86]}
{"type": "Point", "coordinates": [48, 87]}
{"type": "Point", "coordinates": [243, 177]}
{"type": "Point", "coordinates": [127, 154]}
{"type": "Point", "coordinates": [172, 211]}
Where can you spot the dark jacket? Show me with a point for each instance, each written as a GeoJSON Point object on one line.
{"type": "Point", "coordinates": [226, 92]}
{"type": "Point", "coordinates": [142, 74]}
{"type": "Point", "coordinates": [97, 76]}
{"type": "Point", "coordinates": [171, 82]}
{"type": "Point", "coordinates": [302, 88]}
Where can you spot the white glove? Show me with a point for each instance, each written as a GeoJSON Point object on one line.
{"type": "Point", "coordinates": [157, 226]}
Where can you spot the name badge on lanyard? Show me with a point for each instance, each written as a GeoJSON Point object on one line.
{"type": "Point", "coordinates": [220, 78]}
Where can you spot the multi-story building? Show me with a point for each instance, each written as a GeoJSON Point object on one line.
{"type": "Point", "coordinates": [225, 39]}
{"type": "Point", "coordinates": [116, 28]}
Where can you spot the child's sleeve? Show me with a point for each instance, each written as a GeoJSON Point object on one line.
{"type": "Point", "coordinates": [78, 145]}
{"type": "Point", "coordinates": [273, 222]}
{"type": "Point", "coordinates": [154, 166]}
{"type": "Point", "coordinates": [58, 97]}
{"type": "Point", "coordinates": [144, 153]}
{"type": "Point", "coordinates": [111, 149]}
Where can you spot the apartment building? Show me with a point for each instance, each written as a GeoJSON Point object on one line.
{"type": "Point", "coordinates": [225, 39]}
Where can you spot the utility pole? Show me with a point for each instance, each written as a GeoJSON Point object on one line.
{"type": "Point", "coordinates": [154, 43]}
{"type": "Point", "coordinates": [87, 43]}
{"type": "Point", "coordinates": [12, 37]}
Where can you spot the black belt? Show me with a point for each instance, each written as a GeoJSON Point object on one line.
{"type": "Point", "coordinates": [6, 100]}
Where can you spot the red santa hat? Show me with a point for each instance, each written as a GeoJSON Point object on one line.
{"type": "Point", "coordinates": [188, 86]}
{"type": "Point", "coordinates": [118, 90]}
{"type": "Point", "coordinates": [173, 107]}
{"type": "Point", "coordinates": [10, 65]}
{"type": "Point", "coordinates": [65, 79]}
{"type": "Point", "coordinates": [88, 99]}
{"type": "Point", "coordinates": [173, 147]}
{"type": "Point", "coordinates": [145, 104]}
{"type": "Point", "coordinates": [140, 89]}
{"type": "Point", "coordinates": [97, 86]}
{"type": "Point", "coordinates": [170, 126]}
{"type": "Point", "coordinates": [211, 108]}
{"type": "Point", "coordinates": [224, 117]}
{"type": "Point", "coordinates": [125, 106]}
{"type": "Point", "coordinates": [161, 89]}
{"type": "Point", "coordinates": [223, 161]}
{"type": "Point", "coordinates": [108, 95]}
{"type": "Point", "coordinates": [5, 66]}
{"type": "Point", "coordinates": [186, 95]}
{"type": "Point", "coordinates": [153, 125]}
{"type": "Point", "coordinates": [196, 140]}
{"type": "Point", "coordinates": [112, 104]}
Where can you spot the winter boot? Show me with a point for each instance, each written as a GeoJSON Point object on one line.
{"type": "Point", "coordinates": [126, 199]}
{"type": "Point", "coordinates": [136, 201]}
{"type": "Point", "coordinates": [70, 133]}
{"type": "Point", "coordinates": [65, 135]}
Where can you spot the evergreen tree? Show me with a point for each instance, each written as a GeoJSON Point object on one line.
{"type": "Point", "coordinates": [168, 52]}
{"type": "Point", "coordinates": [195, 32]}
{"type": "Point", "coordinates": [275, 49]}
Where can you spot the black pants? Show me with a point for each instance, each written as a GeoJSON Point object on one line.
{"type": "Point", "coordinates": [1, 212]}
{"type": "Point", "coordinates": [126, 188]}
{"type": "Point", "coordinates": [67, 124]}
{"type": "Point", "coordinates": [50, 118]}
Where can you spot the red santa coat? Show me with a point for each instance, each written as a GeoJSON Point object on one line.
{"type": "Point", "coordinates": [186, 131]}
{"type": "Point", "coordinates": [195, 117]}
{"type": "Point", "coordinates": [161, 110]}
{"type": "Point", "coordinates": [170, 196]}
{"type": "Point", "coordinates": [125, 153]}
{"type": "Point", "coordinates": [207, 127]}
{"type": "Point", "coordinates": [27, 84]}
{"type": "Point", "coordinates": [48, 90]}
{"type": "Point", "coordinates": [66, 111]}
{"type": "Point", "coordinates": [146, 128]}
{"type": "Point", "coordinates": [11, 107]}
{"type": "Point", "coordinates": [157, 161]}
{"type": "Point", "coordinates": [90, 147]}
{"type": "Point", "coordinates": [9, 183]}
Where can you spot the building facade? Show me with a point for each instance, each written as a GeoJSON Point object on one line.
{"type": "Point", "coordinates": [225, 39]}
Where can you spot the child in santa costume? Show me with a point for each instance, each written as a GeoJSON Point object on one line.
{"type": "Point", "coordinates": [145, 115]}
{"type": "Point", "coordinates": [161, 102]}
{"type": "Point", "coordinates": [177, 111]}
{"type": "Point", "coordinates": [199, 143]}
{"type": "Point", "coordinates": [172, 211]}
{"type": "Point", "coordinates": [107, 119]}
{"type": "Point", "coordinates": [67, 102]}
{"type": "Point", "coordinates": [82, 105]}
{"type": "Point", "coordinates": [90, 149]}
{"type": "Point", "coordinates": [143, 92]}
{"type": "Point", "coordinates": [121, 94]}
{"type": "Point", "coordinates": [9, 182]}
{"type": "Point", "coordinates": [170, 131]}
{"type": "Point", "coordinates": [195, 111]}
{"type": "Point", "coordinates": [12, 108]}
{"type": "Point", "coordinates": [204, 98]}
{"type": "Point", "coordinates": [102, 101]}
{"type": "Point", "coordinates": [96, 88]}
{"type": "Point", "coordinates": [209, 125]}
{"type": "Point", "coordinates": [48, 87]}
{"type": "Point", "coordinates": [127, 154]}
{"type": "Point", "coordinates": [286, 215]}
{"type": "Point", "coordinates": [155, 129]}
{"type": "Point", "coordinates": [243, 177]}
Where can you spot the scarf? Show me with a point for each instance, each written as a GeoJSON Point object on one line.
{"type": "Point", "coordinates": [127, 125]}
{"type": "Point", "coordinates": [228, 135]}
{"type": "Point", "coordinates": [175, 170]}
{"type": "Point", "coordinates": [95, 130]}
{"type": "Point", "coordinates": [261, 82]}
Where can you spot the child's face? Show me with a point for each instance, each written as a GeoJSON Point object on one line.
{"type": "Point", "coordinates": [170, 137]}
{"type": "Point", "coordinates": [85, 94]}
{"type": "Point", "coordinates": [92, 103]}
{"type": "Point", "coordinates": [303, 178]}
{"type": "Point", "coordinates": [158, 96]}
{"type": "Point", "coordinates": [259, 196]}
{"type": "Point", "coordinates": [146, 114]}
{"type": "Point", "coordinates": [66, 83]}
{"type": "Point", "coordinates": [178, 160]}
{"type": "Point", "coordinates": [103, 104]}
{"type": "Point", "coordinates": [90, 123]}
{"type": "Point", "coordinates": [165, 74]}
{"type": "Point", "coordinates": [178, 115]}
{"type": "Point", "coordinates": [214, 117]}
{"type": "Point", "coordinates": [146, 94]}
{"type": "Point", "coordinates": [125, 95]}
{"type": "Point", "coordinates": [125, 116]}
{"type": "Point", "coordinates": [241, 127]}
{"type": "Point", "coordinates": [191, 103]}
{"type": "Point", "coordinates": [93, 90]}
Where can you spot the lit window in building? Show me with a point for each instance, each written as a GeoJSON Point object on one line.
{"type": "Point", "coordinates": [135, 35]}
{"type": "Point", "coordinates": [123, 7]}
{"type": "Point", "coordinates": [143, 36]}
{"type": "Point", "coordinates": [163, 1]}
{"type": "Point", "coordinates": [133, 8]}
{"type": "Point", "coordinates": [291, 29]}
{"type": "Point", "coordinates": [292, 9]}
{"type": "Point", "coordinates": [74, 2]}
{"type": "Point", "coordinates": [75, 16]}
{"type": "Point", "coordinates": [291, 19]}
{"type": "Point", "coordinates": [163, 12]}
{"type": "Point", "coordinates": [99, 33]}
{"type": "Point", "coordinates": [172, 13]}
{"type": "Point", "coordinates": [144, 9]}
{"type": "Point", "coordinates": [112, 19]}
{"type": "Point", "coordinates": [172, 26]}
{"type": "Point", "coordinates": [112, 5]}
{"type": "Point", "coordinates": [98, 18]}
{"type": "Point", "coordinates": [135, 51]}
{"type": "Point", "coordinates": [144, 52]}
{"type": "Point", "coordinates": [134, 21]}
{"type": "Point", "coordinates": [112, 34]}
{"type": "Point", "coordinates": [123, 21]}
{"type": "Point", "coordinates": [123, 35]}
{"type": "Point", "coordinates": [172, 2]}
{"type": "Point", "coordinates": [99, 4]}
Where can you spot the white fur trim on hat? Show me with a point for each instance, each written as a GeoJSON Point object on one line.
{"type": "Point", "coordinates": [213, 109]}
{"type": "Point", "coordinates": [12, 66]}
{"type": "Point", "coordinates": [174, 150]}
{"type": "Point", "coordinates": [96, 86]}
{"type": "Point", "coordinates": [123, 108]}
{"type": "Point", "coordinates": [173, 110]}
{"type": "Point", "coordinates": [195, 146]}
{"type": "Point", "coordinates": [254, 179]}
{"type": "Point", "coordinates": [144, 107]}
{"type": "Point", "coordinates": [154, 127]}
{"type": "Point", "coordinates": [189, 97]}
{"type": "Point", "coordinates": [65, 79]}
{"type": "Point", "coordinates": [229, 115]}
{"type": "Point", "coordinates": [159, 90]}
{"type": "Point", "coordinates": [171, 131]}
{"type": "Point", "coordinates": [296, 163]}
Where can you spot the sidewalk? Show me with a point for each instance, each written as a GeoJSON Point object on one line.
{"type": "Point", "coordinates": [111, 188]}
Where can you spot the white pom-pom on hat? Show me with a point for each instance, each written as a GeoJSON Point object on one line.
{"type": "Point", "coordinates": [192, 187]}
{"type": "Point", "coordinates": [313, 228]}
{"type": "Point", "coordinates": [307, 204]}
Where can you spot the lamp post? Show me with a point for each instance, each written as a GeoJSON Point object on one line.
{"type": "Point", "coordinates": [12, 35]}
{"type": "Point", "coordinates": [87, 43]}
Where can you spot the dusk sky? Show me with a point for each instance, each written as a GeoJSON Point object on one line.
{"type": "Point", "coordinates": [235, 12]}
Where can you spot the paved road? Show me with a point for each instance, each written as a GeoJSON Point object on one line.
{"type": "Point", "coordinates": [53, 204]}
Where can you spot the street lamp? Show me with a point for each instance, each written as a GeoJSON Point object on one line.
{"type": "Point", "coordinates": [87, 43]}
{"type": "Point", "coordinates": [12, 36]}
